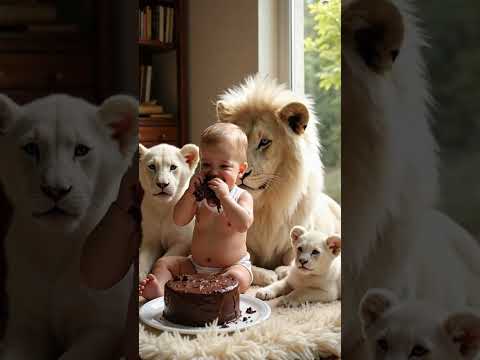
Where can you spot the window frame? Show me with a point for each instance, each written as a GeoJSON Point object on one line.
{"type": "Point", "coordinates": [281, 42]}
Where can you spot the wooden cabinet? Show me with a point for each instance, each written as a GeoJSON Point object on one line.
{"type": "Point", "coordinates": [153, 133]}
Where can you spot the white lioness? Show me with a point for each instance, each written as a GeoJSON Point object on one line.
{"type": "Point", "coordinates": [61, 167]}
{"type": "Point", "coordinates": [314, 275]}
{"type": "Point", "coordinates": [416, 330]}
{"type": "Point", "coordinates": [285, 175]}
{"type": "Point", "coordinates": [393, 235]}
{"type": "Point", "coordinates": [165, 172]}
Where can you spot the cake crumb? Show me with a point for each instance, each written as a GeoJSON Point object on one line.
{"type": "Point", "coordinates": [250, 310]}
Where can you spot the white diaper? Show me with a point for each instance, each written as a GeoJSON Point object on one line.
{"type": "Point", "coordinates": [244, 261]}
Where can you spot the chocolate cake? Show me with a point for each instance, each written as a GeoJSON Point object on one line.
{"type": "Point", "coordinates": [204, 192]}
{"type": "Point", "coordinates": [195, 300]}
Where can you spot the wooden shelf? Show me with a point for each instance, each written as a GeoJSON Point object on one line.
{"type": "Point", "coordinates": [156, 45]}
{"type": "Point", "coordinates": [175, 130]}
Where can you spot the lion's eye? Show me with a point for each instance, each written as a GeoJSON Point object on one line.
{"type": "Point", "coordinates": [81, 150]}
{"type": "Point", "coordinates": [173, 167]}
{"type": "Point", "coordinates": [315, 252]}
{"type": "Point", "coordinates": [32, 149]}
{"type": "Point", "coordinates": [418, 351]}
{"type": "Point", "coordinates": [151, 167]}
{"type": "Point", "coordinates": [382, 344]}
{"type": "Point", "coordinates": [300, 249]}
{"type": "Point", "coordinates": [264, 142]}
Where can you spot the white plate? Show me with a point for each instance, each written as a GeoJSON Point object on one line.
{"type": "Point", "coordinates": [151, 314]}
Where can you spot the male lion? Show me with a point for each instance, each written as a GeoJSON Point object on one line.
{"type": "Point", "coordinates": [393, 237]}
{"type": "Point", "coordinates": [285, 175]}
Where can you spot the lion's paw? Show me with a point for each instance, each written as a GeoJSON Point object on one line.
{"type": "Point", "coordinates": [265, 294]}
{"type": "Point", "coordinates": [282, 271]}
{"type": "Point", "coordinates": [265, 277]}
{"type": "Point", "coordinates": [288, 301]}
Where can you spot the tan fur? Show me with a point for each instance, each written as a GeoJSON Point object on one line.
{"type": "Point", "coordinates": [160, 234]}
{"type": "Point", "coordinates": [286, 176]}
{"type": "Point", "coordinates": [321, 282]}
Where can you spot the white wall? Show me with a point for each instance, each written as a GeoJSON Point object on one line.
{"type": "Point", "coordinates": [223, 50]}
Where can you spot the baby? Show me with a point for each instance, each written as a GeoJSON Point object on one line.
{"type": "Point", "coordinates": [220, 233]}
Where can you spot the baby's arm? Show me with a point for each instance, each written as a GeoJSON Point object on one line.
{"type": "Point", "coordinates": [185, 209]}
{"type": "Point", "coordinates": [239, 214]}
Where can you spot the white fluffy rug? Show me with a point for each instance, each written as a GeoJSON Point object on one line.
{"type": "Point", "coordinates": [309, 332]}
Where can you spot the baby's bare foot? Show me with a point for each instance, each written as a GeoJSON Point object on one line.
{"type": "Point", "coordinates": [150, 288]}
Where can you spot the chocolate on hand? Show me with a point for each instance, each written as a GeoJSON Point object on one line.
{"type": "Point", "coordinates": [204, 192]}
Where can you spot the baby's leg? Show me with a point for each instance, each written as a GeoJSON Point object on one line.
{"type": "Point", "coordinates": [163, 270]}
{"type": "Point", "coordinates": [242, 275]}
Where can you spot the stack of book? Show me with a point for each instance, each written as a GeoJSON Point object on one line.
{"type": "Point", "coordinates": [156, 23]}
{"type": "Point", "coordinates": [155, 112]}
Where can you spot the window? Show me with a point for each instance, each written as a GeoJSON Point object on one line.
{"type": "Point", "coordinates": [322, 76]}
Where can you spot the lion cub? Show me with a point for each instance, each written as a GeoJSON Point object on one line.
{"type": "Point", "coordinates": [164, 172]}
{"type": "Point", "coordinates": [314, 275]}
{"type": "Point", "coordinates": [416, 330]}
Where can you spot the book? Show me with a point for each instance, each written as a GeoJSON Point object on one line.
{"type": "Point", "coordinates": [151, 109]}
{"type": "Point", "coordinates": [148, 83]}
{"type": "Point", "coordinates": [27, 14]}
{"type": "Point", "coordinates": [161, 26]}
{"type": "Point", "coordinates": [142, 83]}
{"type": "Point", "coordinates": [172, 24]}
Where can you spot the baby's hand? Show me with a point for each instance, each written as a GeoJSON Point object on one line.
{"type": "Point", "coordinates": [195, 182]}
{"type": "Point", "coordinates": [219, 187]}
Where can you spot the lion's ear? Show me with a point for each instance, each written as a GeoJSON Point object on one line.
{"type": "Point", "coordinates": [120, 114]}
{"type": "Point", "coordinates": [142, 150]}
{"type": "Point", "coordinates": [464, 331]}
{"type": "Point", "coordinates": [334, 244]}
{"type": "Point", "coordinates": [222, 111]}
{"type": "Point", "coordinates": [191, 154]}
{"type": "Point", "coordinates": [296, 232]}
{"type": "Point", "coordinates": [9, 113]}
{"type": "Point", "coordinates": [295, 115]}
{"type": "Point", "coordinates": [373, 305]}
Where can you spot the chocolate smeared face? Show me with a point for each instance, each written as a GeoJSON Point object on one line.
{"type": "Point", "coordinates": [204, 192]}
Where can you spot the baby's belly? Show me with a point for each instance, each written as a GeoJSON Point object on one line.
{"type": "Point", "coordinates": [218, 249]}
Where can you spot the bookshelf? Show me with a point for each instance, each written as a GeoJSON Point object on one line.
{"type": "Point", "coordinates": [162, 45]}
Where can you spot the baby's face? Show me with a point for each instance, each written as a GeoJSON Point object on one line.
{"type": "Point", "coordinates": [221, 160]}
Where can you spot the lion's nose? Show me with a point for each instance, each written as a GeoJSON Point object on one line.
{"type": "Point", "coordinates": [162, 185]}
{"type": "Point", "coordinates": [303, 261]}
{"type": "Point", "coordinates": [56, 193]}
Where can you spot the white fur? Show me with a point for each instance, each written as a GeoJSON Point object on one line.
{"type": "Point", "coordinates": [400, 330]}
{"type": "Point", "coordinates": [395, 237]}
{"type": "Point", "coordinates": [320, 281]}
{"type": "Point", "coordinates": [160, 234]}
{"type": "Point", "coordinates": [286, 179]}
{"type": "Point", "coordinates": [50, 309]}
